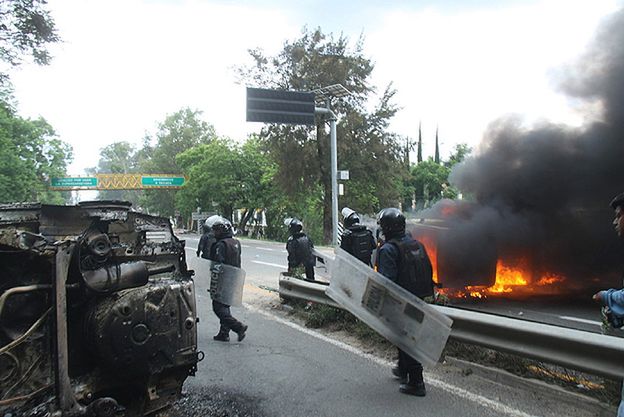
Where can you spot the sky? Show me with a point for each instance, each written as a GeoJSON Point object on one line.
{"type": "Point", "coordinates": [124, 65]}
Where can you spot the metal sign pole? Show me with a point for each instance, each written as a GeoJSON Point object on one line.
{"type": "Point", "coordinates": [334, 179]}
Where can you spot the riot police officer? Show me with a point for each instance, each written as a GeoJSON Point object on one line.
{"type": "Point", "coordinates": [226, 250]}
{"type": "Point", "coordinates": [299, 248]}
{"type": "Point", "coordinates": [207, 239]}
{"type": "Point", "coordinates": [356, 239]}
{"type": "Point", "coordinates": [405, 261]}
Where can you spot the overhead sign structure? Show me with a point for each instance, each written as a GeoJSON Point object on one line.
{"type": "Point", "coordinates": [277, 106]}
{"type": "Point", "coordinates": [119, 182]}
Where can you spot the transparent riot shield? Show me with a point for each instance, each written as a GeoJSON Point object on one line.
{"type": "Point", "coordinates": [226, 282]}
{"type": "Point", "coordinates": [402, 318]}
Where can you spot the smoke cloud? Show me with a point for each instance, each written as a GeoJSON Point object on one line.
{"type": "Point", "coordinates": [544, 191]}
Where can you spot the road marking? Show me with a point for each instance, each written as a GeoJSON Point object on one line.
{"type": "Point", "coordinates": [190, 248]}
{"type": "Point", "coordinates": [261, 248]}
{"type": "Point", "coordinates": [597, 323]}
{"type": "Point", "coordinates": [479, 399]}
{"type": "Point", "coordinates": [270, 264]}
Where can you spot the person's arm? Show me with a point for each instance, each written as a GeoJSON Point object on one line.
{"type": "Point", "coordinates": [388, 265]}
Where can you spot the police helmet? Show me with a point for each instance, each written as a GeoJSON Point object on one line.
{"type": "Point", "coordinates": [350, 217]}
{"type": "Point", "coordinates": [294, 225]}
{"type": "Point", "coordinates": [209, 222]}
{"type": "Point", "coordinates": [221, 227]}
{"type": "Point", "coordinates": [391, 221]}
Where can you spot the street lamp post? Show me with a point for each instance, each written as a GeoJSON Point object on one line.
{"type": "Point", "coordinates": [323, 95]}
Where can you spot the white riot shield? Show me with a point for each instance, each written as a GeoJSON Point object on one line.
{"type": "Point", "coordinates": [402, 318]}
{"type": "Point", "coordinates": [226, 283]}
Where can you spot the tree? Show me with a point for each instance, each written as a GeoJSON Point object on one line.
{"type": "Point", "coordinates": [26, 30]}
{"type": "Point", "coordinates": [226, 176]}
{"type": "Point", "coordinates": [462, 150]}
{"type": "Point", "coordinates": [118, 158]}
{"type": "Point", "coordinates": [436, 158]}
{"type": "Point", "coordinates": [419, 155]}
{"type": "Point", "coordinates": [177, 133]}
{"type": "Point", "coordinates": [30, 154]}
{"type": "Point", "coordinates": [430, 180]}
{"type": "Point", "coordinates": [365, 146]}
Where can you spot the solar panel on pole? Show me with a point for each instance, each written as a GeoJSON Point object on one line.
{"type": "Point", "coordinates": [277, 106]}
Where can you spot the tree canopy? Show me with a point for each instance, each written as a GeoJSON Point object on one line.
{"type": "Point", "coordinates": [365, 146]}
{"type": "Point", "coordinates": [30, 154]}
{"type": "Point", "coordinates": [26, 31]}
{"type": "Point", "coordinates": [179, 131]}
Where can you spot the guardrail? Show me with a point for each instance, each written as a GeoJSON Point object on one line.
{"type": "Point", "coordinates": [574, 349]}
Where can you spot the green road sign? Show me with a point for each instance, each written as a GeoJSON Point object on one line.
{"type": "Point", "coordinates": [64, 182]}
{"type": "Point", "coordinates": [162, 181]}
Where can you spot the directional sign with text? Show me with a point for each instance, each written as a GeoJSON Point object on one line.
{"type": "Point", "coordinates": [70, 182]}
{"type": "Point", "coordinates": [162, 181]}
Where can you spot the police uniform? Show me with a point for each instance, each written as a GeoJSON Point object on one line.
{"type": "Point", "coordinates": [299, 247]}
{"type": "Point", "coordinates": [405, 261]}
{"type": "Point", "coordinates": [226, 250]}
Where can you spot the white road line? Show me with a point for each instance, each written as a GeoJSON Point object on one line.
{"type": "Point", "coordinates": [245, 246]}
{"type": "Point", "coordinates": [261, 248]}
{"type": "Point", "coordinates": [270, 264]}
{"type": "Point", "coordinates": [190, 248]}
{"type": "Point", "coordinates": [479, 399]}
{"type": "Point", "coordinates": [597, 323]}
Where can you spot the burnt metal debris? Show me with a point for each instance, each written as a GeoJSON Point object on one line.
{"type": "Point", "coordinates": [97, 311]}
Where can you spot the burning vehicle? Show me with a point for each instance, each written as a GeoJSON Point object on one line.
{"type": "Point", "coordinates": [97, 311]}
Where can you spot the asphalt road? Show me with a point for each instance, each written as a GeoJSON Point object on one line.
{"type": "Point", "coordinates": [283, 369]}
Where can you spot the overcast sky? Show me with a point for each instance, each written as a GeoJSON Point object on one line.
{"type": "Point", "coordinates": [125, 64]}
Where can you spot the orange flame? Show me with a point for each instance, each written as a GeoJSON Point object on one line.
{"type": "Point", "coordinates": [430, 247]}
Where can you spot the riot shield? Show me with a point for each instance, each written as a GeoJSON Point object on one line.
{"type": "Point", "coordinates": [402, 318]}
{"type": "Point", "coordinates": [226, 283]}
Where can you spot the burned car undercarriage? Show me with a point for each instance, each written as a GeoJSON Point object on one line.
{"type": "Point", "coordinates": [97, 311]}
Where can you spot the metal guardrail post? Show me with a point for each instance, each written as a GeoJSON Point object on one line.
{"type": "Point", "coordinates": [575, 349]}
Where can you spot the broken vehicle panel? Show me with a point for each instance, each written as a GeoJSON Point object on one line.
{"type": "Point", "coordinates": [97, 311]}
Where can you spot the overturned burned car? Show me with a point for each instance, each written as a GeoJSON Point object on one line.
{"type": "Point", "coordinates": [97, 311]}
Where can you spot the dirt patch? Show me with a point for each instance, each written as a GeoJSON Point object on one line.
{"type": "Point", "coordinates": [213, 401]}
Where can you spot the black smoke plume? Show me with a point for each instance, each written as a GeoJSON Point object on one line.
{"type": "Point", "coordinates": [544, 191]}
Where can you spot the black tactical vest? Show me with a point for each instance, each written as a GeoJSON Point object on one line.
{"type": "Point", "coordinates": [415, 270]}
{"type": "Point", "coordinates": [232, 255]}
{"type": "Point", "coordinates": [361, 244]}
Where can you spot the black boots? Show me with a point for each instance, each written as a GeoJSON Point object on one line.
{"type": "Point", "coordinates": [241, 333]}
{"type": "Point", "coordinates": [415, 384]}
{"type": "Point", "coordinates": [221, 337]}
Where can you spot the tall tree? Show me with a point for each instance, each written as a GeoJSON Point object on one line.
{"type": "Point", "coordinates": [118, 158]}
{"type": "Point", "coordinates": [30, 154]}
{"type": "Point", "coordinates": [26, 30]}
{"type": "Point", "coordinates": [437, 149]}
{"type": "Point", "coordinates": [419, 155]}
{"type": "Point", "coordinates": [177, 133]}
{"type": "Point", "coordinates": [302, 154]}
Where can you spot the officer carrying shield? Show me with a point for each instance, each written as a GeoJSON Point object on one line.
{"type": "Point", "coordinates": [356, 239]}
{"type": "Point", "coordinates": [299, 248]}
{"type": "Point", "coordinates": [226, 250]}
{"type": "Point", "coordinates": [405, 261]}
